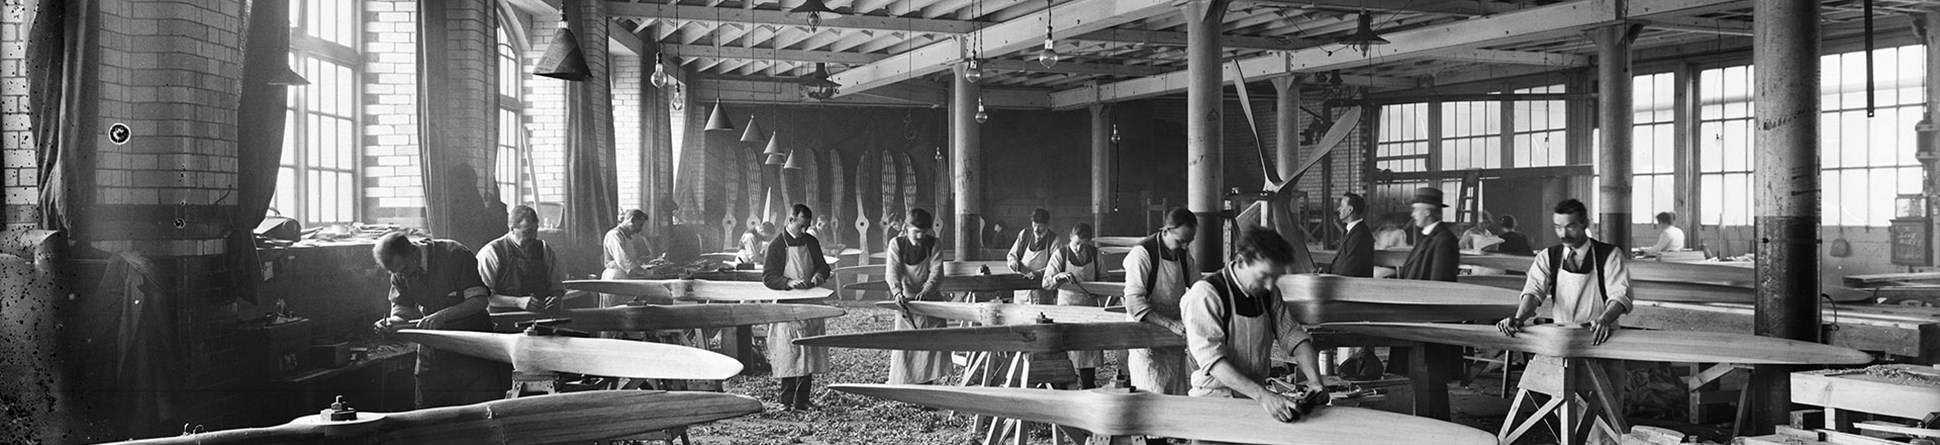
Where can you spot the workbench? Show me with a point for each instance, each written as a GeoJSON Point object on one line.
{"type": "Point", "coordinates": [1907, 331]}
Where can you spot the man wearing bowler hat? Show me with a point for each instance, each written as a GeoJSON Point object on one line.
{"type": "Point", "coordinates": [1436, 257]}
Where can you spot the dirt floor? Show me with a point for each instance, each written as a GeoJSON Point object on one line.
{"type": "Point", "coordinates": [841, 418]}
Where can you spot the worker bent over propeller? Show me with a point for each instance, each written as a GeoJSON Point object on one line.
{"type": "Point", "coordinates": [1232, 318]}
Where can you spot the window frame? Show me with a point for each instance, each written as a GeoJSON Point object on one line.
{"type": "Point", "coordinates": [297, 176]}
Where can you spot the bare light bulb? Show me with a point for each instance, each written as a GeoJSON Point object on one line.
{"type": "Point", "coordinates": [981, 115]}
{"type": "Point", "coordinates": [814, 21]}
{"type": "Point", "coordinates": [1049, 55]}
{"type": "Point", "coordinates": [974, 72]}
{"type": "Point", "coordinates": [659, 77]}
{"type": "Point", "coordinates": [1114, 134]}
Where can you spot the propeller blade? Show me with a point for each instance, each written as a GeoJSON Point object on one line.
{"type": "Point", "coordinates": [595, 356]}
{"type": "Point", "coordinates": [686, 316]}
{"type": "Point", "coordinates": [556, 418]}
{"type": "Point", "coordinates": [1036, 337]}
{"type": "Point", "coordinates": [1117, 413]}
{"type": "Point", "coordinates": [1629, 344]}
{"type": "Point", "coordinates": [998, 314]}
{"type": "Point", "coordinates": [1335, 135]}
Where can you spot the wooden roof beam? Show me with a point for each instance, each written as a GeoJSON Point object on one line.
{"type": "Point", "coordinates": [1074, 68]}
{"type": "Point", "coordinates": [617, 8]}
{"type": "Point", "coordinates": [1525, 24]}
{"type": "Point", "coordinates": [792, 55]}
{"type": "Point", "coordinates": [1701, 25]}
{"type": "Point", "coordinates": [1514, 57]}
{"type": "Point", "coordinates": [1466, 8]}
{"type": "Point", "coordinates": [1178, 39]}
{"type": "Point", "coordinates": [1069, 19]}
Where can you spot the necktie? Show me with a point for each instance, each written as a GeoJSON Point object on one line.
{"type": "Point", "coordinates": [1569, 260]}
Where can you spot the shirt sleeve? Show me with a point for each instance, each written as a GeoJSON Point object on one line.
{"type": "Point", "coordinates": [1205, 337]}
{"type": "Point", "coordinates": [1291, 332]}
{"type": "Point", "coordinates": [1016, 252]}
{"type": "Point", "coordinates": [1137, 266]}
{"type": "Point", "coordinates": [773, 264]}
{"type": "Point", "coordinates": [619, 253]}
{"type": "Point", "coordinates": [487, 266]}
{"type": "Point", "coordinates": [934, 284]}
{"type": "Point", "coordinates": [893, 269]}
{"type": "Point", "coordinates": [402, 306]}
{"type": "Point", "coordinates": [1537, 283]}
{"type": "Point", "coordinates": [1663, 242]}
{"type": "Point", "coordinates": [1052, 268]}
{"type": "Point", "coordinates": [821, 268]}
{"type": "Point", "coordinates": [1616, 280]}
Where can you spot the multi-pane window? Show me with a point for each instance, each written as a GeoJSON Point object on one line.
{"type": "Point", "coordinates": [1403, 142]}
{"type": "Point", "coordinates": [1653, 146]}
{"type": "Point", "coordinates": [1867, 161]}
{"type": "Point", "coordinates": [317, 179]}
{"type": "Point", "coordinates": [511, 134]}
{"type": "Point", "coordinates": [1539, 130]}
{"type": "Point", "coordinates": [1724, 146]}
{"type": "Point", "coordinates": [1471, 135]}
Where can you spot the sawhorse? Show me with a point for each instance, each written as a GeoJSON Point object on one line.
{"type": "Point", "coordinates": [1582, 395]}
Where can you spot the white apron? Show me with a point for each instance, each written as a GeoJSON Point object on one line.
{"type": "Point", "coordinates": [1037, 260]}
{"type": "Point", "coordinates": [1163, 370]}
{"type": "Point", "coordinates": [1070, 295]}
{"type": "Point", "coordinates": [787, 359]}
{"type": "Point", "coordinates": [1576, 298]}
{"type": "Point", "coordinates": [916, 367]}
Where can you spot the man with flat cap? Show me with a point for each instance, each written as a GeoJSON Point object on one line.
{"type": "Point", "coordinates": [1436, 256]}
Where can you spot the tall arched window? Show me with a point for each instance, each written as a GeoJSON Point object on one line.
{"type": "Point", "coordinates": [317, 180]}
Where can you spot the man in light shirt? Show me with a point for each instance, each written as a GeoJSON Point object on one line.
{"type": "Point", "coordinates": [1669, 237]}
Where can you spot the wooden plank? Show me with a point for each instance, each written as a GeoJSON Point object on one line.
{"type": "Point", "coordinates": [1639, 289]}
{"type": "Point", "coordinates": [737, 15]}
{"type": "Point", "coordinates": [595, 356]}
{"type": "Point", "coordinates": [1316, 312]}
{"type": "Point", "coordinates": [1858, 390]}
{"type": "Point", "coordinates": [1840, 438]}
{"type": "Point", "coordinates": [1118, 241]}
{"type": "Point", "coordinates": [1639, 270]}
{"type": "Point", "coordinates": [1007, 313]}
{"type": "Point", "coordinates": [1888, 279]}
{"type": "Point", "coordinates": [655, 317]}
{"type": "Point", "coordinates": [1565, 341]}
{"type": "Point", "coordinates": [1862, 327]}
{"type": "Point", "coordinates": [1335, 288]}
{"type": "Point", "coordinates": [1897, 429]}
{"type": "Point", "coordinates": [698, 290]}
{"type": "Point", "coordinates": [964, 283]}
{"type": "Point", "coordinates": [1384, 258]}
{"type": "Point", "coordinates": [1031, 337]}
{"type": "Point", "coordinates": [1199, 418]}
{"type": "Point", "coordinates": [556, 418]}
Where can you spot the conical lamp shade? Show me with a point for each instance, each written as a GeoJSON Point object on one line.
{"type": "Point", "coordinates": [284, 76]}
{"type": "Point", "coordinates": [753, 132]}
{"type": "Point", "coordinates": [563, 59]}
{"type": "Point", "coordinates": [1364, 35]}
{"type": "Point", "coordinates": [773, 150]}
{"type": "Point", "coordinates": [794, 161]}
{"type": "Point", "coordinates": [718, 120]}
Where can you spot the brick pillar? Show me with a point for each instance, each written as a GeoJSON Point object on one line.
{"type": "Point", "coordinates": [629, 140]}
{"type": "Point", "coordinates": [545, 115]}
{"type": "Point", "coordinates": [22, 175]}
{"type": "Point", "coordinates": [393, 173]}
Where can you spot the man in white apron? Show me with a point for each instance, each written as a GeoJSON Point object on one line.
{"type": "Point", "coordinates": [1072, 263]}
{"type": "Point", "coordinates": [1585, 282]}
{"type": "Point", "coordinates": [915, 269]}
{"type": "Point", "coordinates": [1157, 273]}
{"type": "Point", "coordinates": [1031, 252]}
{"type": "Point", "coordinates": [1232, 320]}
{"type": "Point", "coordinates": [794, 261]}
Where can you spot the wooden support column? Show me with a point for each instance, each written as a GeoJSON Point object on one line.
{"type": "Point", "coordinates": [1930, 28]}
{"type": "Point", "coordinates": [1785, 187]}
{"type": "Point", "coordinates": [1684, 175]}
{"type": "Point", "coordinates": [1614, 117]}
{"type": "Point", "coordinates": [1204, 184]}
{"type": "Point", "coordinates": [966, 159]}
{"type": "Point", "coordinates": [1100, 167]}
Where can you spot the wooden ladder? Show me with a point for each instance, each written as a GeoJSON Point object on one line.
{"type": "Point", "coordinates": [1468, 208]}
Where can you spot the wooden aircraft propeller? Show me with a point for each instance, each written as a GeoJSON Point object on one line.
{"type": "Point", "coordinates": [686, 316]}
{"type": "Point", "coordinates": [1202, 418]}
{"type": "Point", "coordinates": [1630, 344]}
{"type": "Point", "coordinates": [595, 356]}
{"type": "Point", "coordinates": [556, 418]}
{"type": "Point", "coordinates": [1035, 337]}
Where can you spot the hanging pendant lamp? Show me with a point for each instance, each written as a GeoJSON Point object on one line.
{"type": "Point", "coordinates": [753, 133]}
{"type": "Point", "coordinates": [718, 120]}
{"type": "Point", "coordinates": [815, 11]}
{"type": "Point", "coordinates": [563, 59]}
{"type": "Point", "coordinates": [981, 116]}
{"type": "Point", "coordinates": [773, 151]}
{"type": "Point", "coordinates": [794, 160]}
{"type": "Point", "coordinates": [659, 77]}
{"type": "Point", "coordinates": [1364, 37]}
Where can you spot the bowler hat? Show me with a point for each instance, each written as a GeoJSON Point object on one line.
{"type": "Point", "coordinates": [1430, 196]}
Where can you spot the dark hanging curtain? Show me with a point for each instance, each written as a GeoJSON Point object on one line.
{"type": "Point", "coordinates": [593, 195]}
{"type": "Point", "coordinates": [261, 112]}
{"type": "Point", "coordinates": [60, 53]}
{"type": "Point", "coordinates": [454, 121]}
